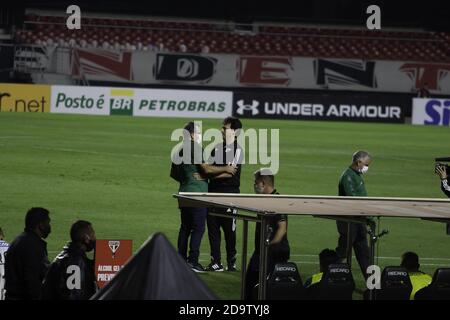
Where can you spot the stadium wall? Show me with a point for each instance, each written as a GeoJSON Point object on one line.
{"type": "Point", "coordinates": [333, 106]}
{"type": "Point", "coordinates": [238, 71]}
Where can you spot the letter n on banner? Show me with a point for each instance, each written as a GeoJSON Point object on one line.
{"type": "Point", "coordinates": [264, 70]}
{"type": "Point", "coordinates": [110, 257]}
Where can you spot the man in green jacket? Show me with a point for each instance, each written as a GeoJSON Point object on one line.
{"type": "Point", "coordinates": [351, 184]}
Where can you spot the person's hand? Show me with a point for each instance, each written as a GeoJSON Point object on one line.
{"type": "Point", "coordinates": [442, 172]}
{"type": "Point", "coordinates": [198, 176]}
{"type": "Point", "coordinates": [231, 169]}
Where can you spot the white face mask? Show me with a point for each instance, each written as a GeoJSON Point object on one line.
{"type": "Point", "coordinates": [198, 138]}
{"type": "Point", "coordinates": [364, 169]}
{"type": "Point", "coordinates": [258, 189]}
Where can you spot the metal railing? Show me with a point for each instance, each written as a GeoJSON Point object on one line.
{"type": "Point", "coordinates": [41, 60]}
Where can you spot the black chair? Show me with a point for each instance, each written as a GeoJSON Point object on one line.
{"type": "Point", "coordinates": [439, 288]}
{"type": "Point", "coordinates": [336, 284]}
{"type": "Point", "coordinates": [285, 283]}
{"type": "Point", "coordinates": [395, 284]}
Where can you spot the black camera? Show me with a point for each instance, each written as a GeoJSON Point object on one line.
{"type": "Point", "coordinates": [440, 164]}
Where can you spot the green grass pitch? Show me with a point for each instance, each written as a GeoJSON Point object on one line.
{"type": "Point", "coordinates": [114, 171]}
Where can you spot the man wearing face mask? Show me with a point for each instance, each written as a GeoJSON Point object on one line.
{"type": "Point", "coordinates": [71, 275]}
{"type": "Point", "coordinates": [351, 184]}
{"type": "Point", "coordinates": [27, 259]}
{"type": "Point", "coordinates": [279, 250]}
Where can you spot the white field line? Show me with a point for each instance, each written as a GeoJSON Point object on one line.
{"type": "Point", "coordinates": [387, 258]}
{"type": "Point", "coordinates": [91, 152]}
{"type": "Point", "coordinates": [315, 263]}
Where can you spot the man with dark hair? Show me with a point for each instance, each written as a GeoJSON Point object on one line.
{"type": "Point", "coordinates": [351, 184]}
{"type": "Point", "coordinates": [27, 258]}
{"type": "Point", "coordinates": [326, 258]}
{"type": "Point", "coordinates": [192, 176]}
{"type": "Point", "coordinates": [419, 279]}
{"type": "Point", "coordinates": [3, 248]}
{"type": "Point", "coordinates": [71, 276]}
{"type": "Point", "coordinates": [223, 154]}
{"type": "Point", "coordinates": [279, 250]}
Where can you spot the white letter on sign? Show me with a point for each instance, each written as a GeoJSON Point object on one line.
{"type": "Point", "coordinates": [374, 280]}
{"type": "Point", "coordinates": [374, 21]}
{"type": "Point", "coordinates": [74, 20]}
{"type": "Point", "coordinates": [74, 280]}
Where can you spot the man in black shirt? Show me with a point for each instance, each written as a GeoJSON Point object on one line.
{"type": "Point", "coordinates": [72, 276]}
{"type": "Point", "coordinates": [279, 250]}
{"type": "Point", "coordinates": [226, 153]}
{"type": "Point", "coordinates": [27, 259]}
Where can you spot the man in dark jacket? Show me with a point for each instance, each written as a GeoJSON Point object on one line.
{"type": "Point", "coordinates": [225, 153]}
{"type": "Point", "coordinates": [71, 275]}
{"type": "Point", "coordinates": [27, 259]}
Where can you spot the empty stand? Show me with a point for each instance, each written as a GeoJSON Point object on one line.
{"type": "Point", "coordinates": [197, 37]}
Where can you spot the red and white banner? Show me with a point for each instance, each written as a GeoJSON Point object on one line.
{"type": "Point", "coordinates": [101, 64]}
{"type": "Point", "coordinates": [228, 70]}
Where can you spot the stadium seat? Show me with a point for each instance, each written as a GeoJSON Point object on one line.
{"type": "Point", "coordinates": [395, 284]}
{"type": "Point", "coordinates": [285, 283]}
{"type": "Point", "coordinates": [439, 289]}
{"type": "Point", "coordinates": [336, 284]}
{"type": "Point", "coordinates": [270, 39]}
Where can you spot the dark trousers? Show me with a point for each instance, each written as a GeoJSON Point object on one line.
{"type": "Point", "coordinates": [193, 226]}
{"type": "Point", "coordinates": [228, 226]}
{"type": "Point", "coordinates": [358, 238]}
{"type": "Point", "coordinates": [276, 254]}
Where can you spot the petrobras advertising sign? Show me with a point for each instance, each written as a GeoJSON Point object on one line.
{"type": "Point", "coordinates": [141, 102]}
{"type": "Point", "coordinates": [182, 103]}
{"type": "Point", "coordinates": [429, 111]}
{"type": "Point", "coordinates": [337, 106]}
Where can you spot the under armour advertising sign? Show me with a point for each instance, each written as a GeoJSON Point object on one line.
{"type": "Point", "coordinates": [110, 257]}
{"type": "Point", "coordinates": [185, 68]}
{"type": "Point", "coordinates": [431, 112]}
{"type": "Point", "coordinates": [338, 106]}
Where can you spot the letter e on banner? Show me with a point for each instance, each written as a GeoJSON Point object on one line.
{"type": "Point", "coordinates": [264, 70]}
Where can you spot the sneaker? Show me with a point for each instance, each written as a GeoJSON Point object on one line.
{"type": "Point", "coordinates": [214, 266]}
{"type": "Point", "coordinates": [196, 267]}
{"type": "Point", "coordinates": [231, 267]}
